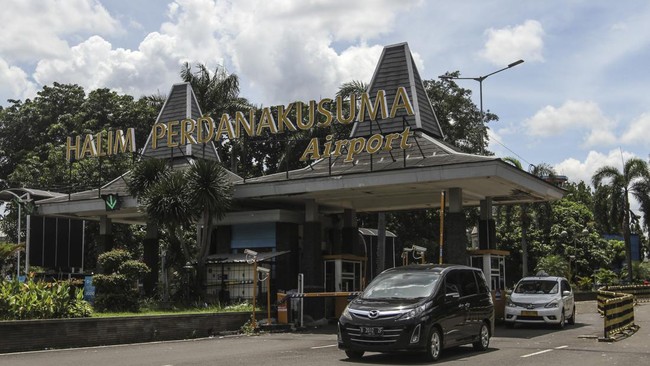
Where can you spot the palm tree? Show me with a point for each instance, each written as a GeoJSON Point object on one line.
{"type": "Point", "coordinates": [632, 180]}
{"type": "Point", "coordinates": [217, 93]}
{"type": "Point", "coordinates": [210, 192]}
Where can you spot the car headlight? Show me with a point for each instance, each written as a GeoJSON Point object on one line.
{"type": "Point", "coordinates": [552, 304]}
{"type": "Point", "coordinates": [346, 313]}
{"type": "Point", "coordinates": [510, 304]}
{"type": "Point", "coordinates": [413, 313]}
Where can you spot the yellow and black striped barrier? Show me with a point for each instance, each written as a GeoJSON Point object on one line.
{"type": "Point", "coordinates": [617, 309]}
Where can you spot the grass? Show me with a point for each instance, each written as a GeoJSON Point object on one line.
{"type": "Point", "coordinates": [175, 310]}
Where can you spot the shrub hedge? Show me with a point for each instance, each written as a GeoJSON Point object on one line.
{"type": "Point", "coordinates": [41, 300]}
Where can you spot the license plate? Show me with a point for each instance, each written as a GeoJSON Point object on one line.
{"type": "Point", "coordinates": [528, 313]}
{"type": "Point", "coordinates": [372, 331]}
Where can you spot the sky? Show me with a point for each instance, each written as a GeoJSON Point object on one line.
{"type": "Point", "coordinates": [579, 101]}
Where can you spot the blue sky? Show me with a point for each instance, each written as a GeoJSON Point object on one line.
{"type": "Point", "coordinates": [578, 102]}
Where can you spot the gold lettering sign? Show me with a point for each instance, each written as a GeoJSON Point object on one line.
{"type": "Point", "coordinates": [307, 116]}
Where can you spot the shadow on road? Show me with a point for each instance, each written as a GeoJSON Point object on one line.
{"type": "Point", "coordinates": [451, 354]}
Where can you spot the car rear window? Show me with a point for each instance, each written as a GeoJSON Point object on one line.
{"type": "Point", "coordinates": [537, 287]}
{"type": "Point", "coordinates": [402, 285]}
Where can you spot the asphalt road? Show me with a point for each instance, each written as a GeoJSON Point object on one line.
{"type": "Point", "coordinates": [575, 345]}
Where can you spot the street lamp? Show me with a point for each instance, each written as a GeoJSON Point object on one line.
{"type": "Point", "coordinates": [480, 82]}
{"type": "Point", "coordinates": [565, 236]}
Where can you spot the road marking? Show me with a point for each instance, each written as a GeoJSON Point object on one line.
{"type": "Point", "coordinates": [328, 346]}
{"type": "Point", "coordinates": [543, 351]}
{"type": "Point", "coordinates": [536, 353]}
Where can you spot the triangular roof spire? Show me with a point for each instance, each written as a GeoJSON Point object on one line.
{"type": "Point", "coordinates": [396, 68]}
{"type": "Point", "coordinates": [180, 104]}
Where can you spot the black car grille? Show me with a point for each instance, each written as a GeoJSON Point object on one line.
{"type": "Point", "coordinates": [389, 335]}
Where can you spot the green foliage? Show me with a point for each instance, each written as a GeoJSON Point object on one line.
{"type": "Point", "coordinates": [605, 276]}
{"type": "Point", "coordinates": [112, 260]}
{"type": "Point", "coordinates": [116, 289]}
{"type": "Point", "coordinates": [41, 300]}
{"type": "Point", "coordinates": [133, 269]}
{"type": "Point", "coordinates": [640, 272]}
{"type": "Point", "coordinates": [553, 265]}
{"type": "Point", "coordinates": [111, 283]}
{"type": "Point", "coordinates": [248, 328]}
{"type": "Point", "coordinates": [585, 283]}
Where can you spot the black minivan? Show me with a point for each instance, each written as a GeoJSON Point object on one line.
{"type": "Point", "coordinates": [419, 308]}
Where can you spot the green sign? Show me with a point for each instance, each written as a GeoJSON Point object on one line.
{"type": "Point", "coordinates": [111, 201]}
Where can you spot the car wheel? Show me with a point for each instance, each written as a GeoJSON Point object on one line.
{"type": "Point", "coordinates": [434, 347]}
{"type": "Point", "coordinates": [483, 339]}
{"type": "Point", "coordinates": [560, 325]}
{"type": "Point", "coordinates": [572, 319]}
{"type": "Point", "coordinates": [354, 355]}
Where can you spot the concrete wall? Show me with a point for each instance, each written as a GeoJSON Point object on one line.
{"type": "Point", "coordinates": [24, 335]}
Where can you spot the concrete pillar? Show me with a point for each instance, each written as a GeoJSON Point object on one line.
{"type": "Point", "coordinates": [455, 198]}
{"type": "Point", "coordinates": [350, 232]}
{"type": "Point", "coordinates": [486, 227]}
{"type": "Point", "coordinates": [312, 259]}
{"type": "Point", "coordinates": [312, 256]}
{"type": "Point", "coordinates": [105, 240]}
{"type": "Point", "coordinates": [455, 249]}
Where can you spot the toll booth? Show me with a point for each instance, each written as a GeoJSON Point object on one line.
{"type": "Point", "coordinates": [493, 264]}
{"type": "Point", "coordinates": [343, 273]}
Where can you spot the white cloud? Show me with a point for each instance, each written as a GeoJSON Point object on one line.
{"type": "Point", "coordinates": [637, 132]}
{"type": "Point", "coordinates": [282, 49]}
{"type": "Point", "coordinates": [573, 115]}
{"type": "Point", "coordinates": [509, 44]}
{"type": "Point", "coordinates": [35, 28]}
{"type": "Point", "coordinates": [16, 80]}
{"type": "Point", "coordinates": [577, 170]}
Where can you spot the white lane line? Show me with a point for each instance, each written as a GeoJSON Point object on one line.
{"type": "Point", "coordinates": [544, 351]}
{"type": "Point", "coordinates": [536, 353]}
{"type": "Point", "coordinates": [328, 346]}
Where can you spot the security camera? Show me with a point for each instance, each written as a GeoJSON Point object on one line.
{"type": "Point", "coordinates": [252, 253]}
{"type": "Point", "coordinates": [419, 248]}
{"type": "Point", "coordinates": [263, 270]}
{"type": "Point", "coordinates": [407, 250]}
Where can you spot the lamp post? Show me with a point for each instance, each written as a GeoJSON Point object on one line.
{"type": "Point", "coordinates": [480, 82]}
{"type": "Point", "coordinates": [251, 258]}
{"type": "Point", "coordinates": [565, 235]}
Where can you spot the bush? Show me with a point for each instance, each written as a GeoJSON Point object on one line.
{"type": "Point", "coordinates": [110, 261]}
{"type": "Point", "coordinates": [553, 265]}
{"type": "Point", "coordinates": [116, 288]}
{"type": "Point", "coordinates": [41, 300]}
{"type": "Point", "coordinates": [605, 276]}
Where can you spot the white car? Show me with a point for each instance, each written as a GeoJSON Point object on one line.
{"type": "Point", "coordinates": [541, 300]}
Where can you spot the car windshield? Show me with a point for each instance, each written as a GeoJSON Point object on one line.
{"type": "Point", "coordinates": [537, 287]}
{"type": "Point", "coordinates": [401, 285]}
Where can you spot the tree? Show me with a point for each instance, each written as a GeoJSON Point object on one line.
{"type": "Point", "coordinates": [210, 192]}
{"type": "Point", "coordinates": [621, 185]}
{"type": "Point", "coordinates": [553, 265]}
{"type": "Point", "coordinates": [459, 117]}
{"type": "Point", "coordinates": [176, 199]}
{"type": "Point", "coordinates": [217, 93]}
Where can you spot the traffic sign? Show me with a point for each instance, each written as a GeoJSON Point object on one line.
{"type": "Point", "coordinates": [111, 201]}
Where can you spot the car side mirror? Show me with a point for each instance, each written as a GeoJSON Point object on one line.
{"type": "Point", "coordinates": [566, 293]}
{"type": "Point", "coordinates": [452, 296]}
